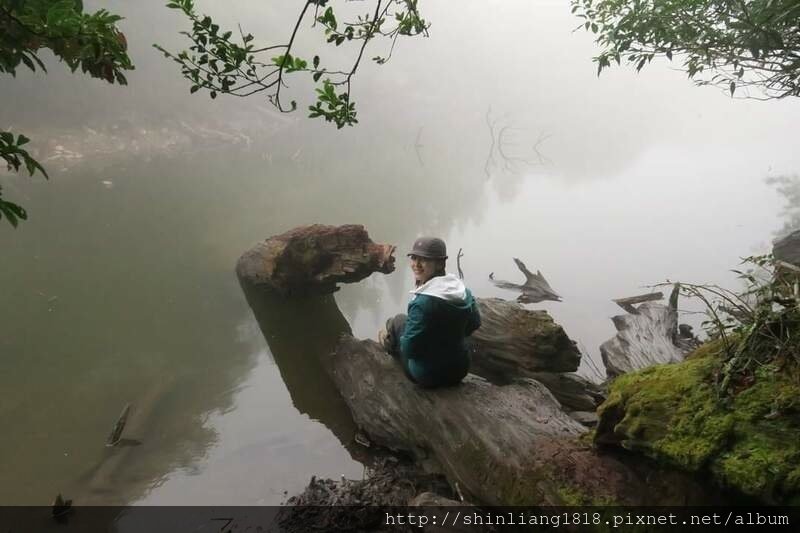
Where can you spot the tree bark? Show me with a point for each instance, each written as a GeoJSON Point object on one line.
{"type": "Point", "coordinates": [503, 445]}
{"type": "Point", "coordinates": [513, 339]}
{"type": "Point", "coordinates": [313, 259]}
{"type": "Point", "coordinates": [644, 338]}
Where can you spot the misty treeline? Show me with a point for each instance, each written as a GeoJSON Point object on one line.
{"type": "Point", "coordinates": [748, 44]}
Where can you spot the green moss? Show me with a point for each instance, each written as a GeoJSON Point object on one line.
{"type": "Point", "coordinates": [671, 413]}
{"type": "Point", "coordinates": [572, 497]}
{"type": "Point", "coordinates": [588, 437]}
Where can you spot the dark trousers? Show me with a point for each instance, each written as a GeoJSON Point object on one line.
{"type": "Point", "coordinates": [395, 327]}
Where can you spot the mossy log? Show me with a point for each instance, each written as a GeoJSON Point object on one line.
{"type": "Point", "coordinates": [503, 445]}
{"type": "Point", "coordinates": [671, 414]}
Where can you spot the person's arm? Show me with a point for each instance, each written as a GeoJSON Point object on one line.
{"type": "Point", "coordinates": [416, 326]}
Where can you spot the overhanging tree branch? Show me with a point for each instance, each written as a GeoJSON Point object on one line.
{"type": "Point", "coordinates": [216, 63]}
{"type": "Point", "coordinates": [89, 41]}
{"type": "Point", "coordinates": [731, 44]}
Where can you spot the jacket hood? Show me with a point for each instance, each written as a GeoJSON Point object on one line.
{"type": "Point", "coordinates": [447, 287]}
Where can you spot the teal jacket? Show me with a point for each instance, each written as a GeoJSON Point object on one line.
{"type": "Point", "coordinates": [441, 314]}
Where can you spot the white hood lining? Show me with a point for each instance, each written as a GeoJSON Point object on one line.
{"type": "Point", "coordinates": [447, 287]}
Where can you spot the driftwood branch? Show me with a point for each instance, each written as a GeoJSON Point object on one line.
{"type": "Point", "coordinates": [119, 427]}
{"type": "Point", "coordinates": [535, 289]}
{"type": "Point", "coordinates": [628, 303]}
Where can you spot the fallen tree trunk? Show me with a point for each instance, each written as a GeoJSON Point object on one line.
{"type": "Point", "coordinates": [503, 445]}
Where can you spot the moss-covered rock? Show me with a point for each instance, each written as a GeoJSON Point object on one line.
{"type": "Point", "coordinates": [671, 413]}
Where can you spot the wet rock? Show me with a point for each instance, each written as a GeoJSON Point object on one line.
{"type": "Point", "coordinates": [429, 499]}
{"type": "Point", "coordinates": [313, 259]}
{"type": "Point", "coordinates": [359, 505]}
{"type": "Point", "coordinates": [435, 505]}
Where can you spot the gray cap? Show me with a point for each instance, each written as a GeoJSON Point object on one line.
{"type": "Point", "coordinates": [429, 247]}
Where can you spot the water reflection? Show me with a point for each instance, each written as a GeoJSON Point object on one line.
{"type": "Point", "coordinates": [298, 331]}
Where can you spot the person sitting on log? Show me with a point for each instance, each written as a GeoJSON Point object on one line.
{"type": "Point", "coordinates": [429, 342]}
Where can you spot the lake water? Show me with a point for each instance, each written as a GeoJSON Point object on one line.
{"type": "Point", "coordinates": [120, 288]}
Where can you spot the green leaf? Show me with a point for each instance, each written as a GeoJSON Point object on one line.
{"type": "Point", "coordinates": [28, 63]}
{"type": "Point", "coordinates": [316, 61]}
{"type": "Point", "coordinates": [15, 211]}
{"type": "Point", "coordinates": [4, 210]}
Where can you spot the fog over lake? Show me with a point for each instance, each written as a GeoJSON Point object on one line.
{"type": "Point", "coordinates": [121, 288]}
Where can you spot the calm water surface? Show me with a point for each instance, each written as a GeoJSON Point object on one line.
{"type": "Point", "coordinates": [121, 287]}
